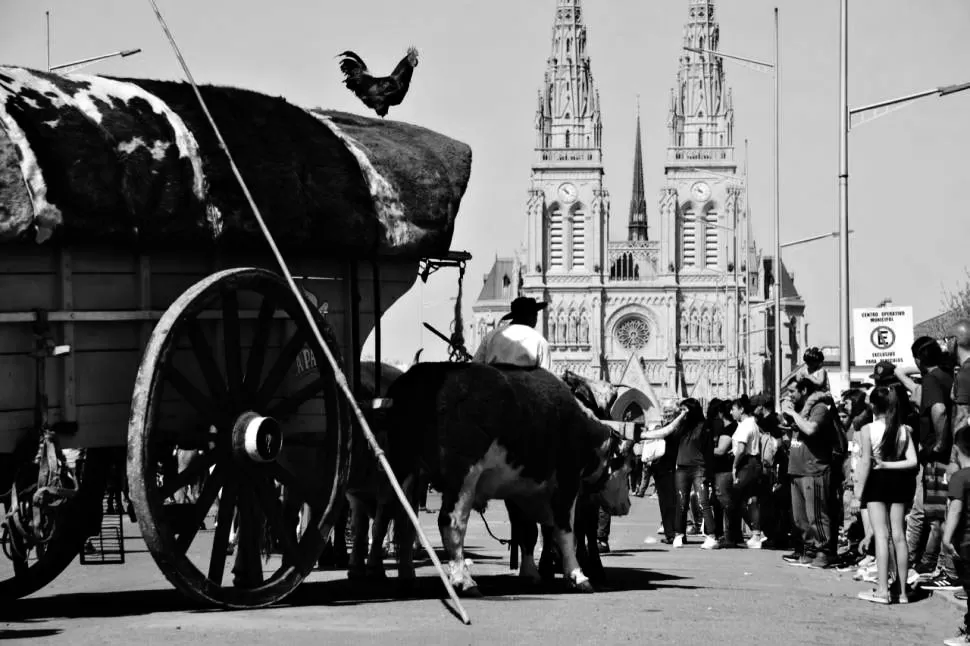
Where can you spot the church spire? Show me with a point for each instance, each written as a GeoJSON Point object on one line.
{"type": "Point", "coordinates": [638, 199]}
{"type": "Point", "coordinates": [568, 114]}
{"type": "Point", "coordinates": [701, 110]}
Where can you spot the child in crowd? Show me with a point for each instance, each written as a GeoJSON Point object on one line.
{"type": "Point", "coordinates": [957, 525]}
{"type": "Point", "coordinates": [812, 369]}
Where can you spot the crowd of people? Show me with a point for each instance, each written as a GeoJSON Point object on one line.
{"type": "Point", "coordinates": [872, 479]}
{"type": "Point", "coordinates": [875, 479]}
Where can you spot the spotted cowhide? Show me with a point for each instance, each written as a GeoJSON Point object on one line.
{"type": "Point", "coordinates": [97, 158]}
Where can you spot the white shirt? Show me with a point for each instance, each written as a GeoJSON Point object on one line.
{"type": "Point", "coordinates": [747, 432]}
{"type": "Point", "coordinates": [515, 344]}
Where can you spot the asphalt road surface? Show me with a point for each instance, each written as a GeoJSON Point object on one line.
{"type": "Point", "coordinates": [657, 595]}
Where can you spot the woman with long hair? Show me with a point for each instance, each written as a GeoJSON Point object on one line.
{"type": "Point", "coordinates": [747, 466]}
{"type": "Point", "coordinates": [663, 469]}
{"type": "Point", "coordinates": [885, 486]}
{"type": "Point", "coordinates": [691, 474]}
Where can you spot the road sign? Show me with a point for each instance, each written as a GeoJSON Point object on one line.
{"type": "Point", "coordinates": [882, 334]}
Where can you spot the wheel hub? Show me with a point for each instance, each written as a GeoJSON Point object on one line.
{"type": "Point", "coordinates": [257, 438]}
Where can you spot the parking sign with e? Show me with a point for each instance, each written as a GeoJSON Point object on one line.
{"type": "Point", "coordinates": [882, 334]}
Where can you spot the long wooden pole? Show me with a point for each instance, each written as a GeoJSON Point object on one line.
{"type": "Point", "coordinates": [338, 373]}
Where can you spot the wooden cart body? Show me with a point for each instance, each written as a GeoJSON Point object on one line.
{"type": "Point", "coordinates": [124, 235]}
{"type": "Point", "coordinates": [105, 304]}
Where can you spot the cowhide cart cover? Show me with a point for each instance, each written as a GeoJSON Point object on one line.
{"type": "Point", "coordinates": [93, 159]}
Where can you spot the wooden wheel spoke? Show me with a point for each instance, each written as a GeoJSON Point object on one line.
{"type": "Point", "coordinates": [220, 541]}
{"type": "Point", "coordinates": [210, 412]}
{"type": "Point", "coordinates": [283, 364]}
{"type": "Point", "coordinates": [198, 466]}
{"type": "Point", "coordinates": [248, 568]}
{"type": "Point", "coordinates": [208, 496]}
{"type": "Point", "coordinates": [257, 353]}
{"type": "Point", "coordinates": [232, 344]}
{"type": "Point", "coordinates": [273, 509]}
{"type": "Point", "coordinates": [292, 403]}
{"type": "Point", "coordinates": [203, 354]}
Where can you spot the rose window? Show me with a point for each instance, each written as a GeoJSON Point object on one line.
{"type": "Point", "coordinates": [633, 333]}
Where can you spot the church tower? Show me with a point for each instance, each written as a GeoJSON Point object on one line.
{"type": "Point", "coordinates": [638, 230]}
{"type": "Point", "coordinates": [567, 214]}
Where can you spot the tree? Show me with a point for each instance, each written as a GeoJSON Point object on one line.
{"type": "Point", "coordinates": [956, 306]}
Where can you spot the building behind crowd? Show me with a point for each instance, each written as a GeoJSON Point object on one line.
{"type": "Point", "coordinates": [664, 309]}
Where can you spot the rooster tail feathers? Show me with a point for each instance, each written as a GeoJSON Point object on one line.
{"type": "Point", "coordinates": [352, 65]}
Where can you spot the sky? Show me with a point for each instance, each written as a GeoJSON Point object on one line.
{"type": "Point", "coordinates": [481, 64]}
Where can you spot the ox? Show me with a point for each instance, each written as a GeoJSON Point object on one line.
{"type": "Point", "coordinates": [484, 432]}
{"type": "Point", "coordinates": [598, 398]}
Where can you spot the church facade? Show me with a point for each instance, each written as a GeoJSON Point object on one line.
{"type": "Point", "coordinates": [680, 307]}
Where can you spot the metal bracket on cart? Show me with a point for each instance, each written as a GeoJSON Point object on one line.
{"type": "Point", "coordinates": [428, 266]}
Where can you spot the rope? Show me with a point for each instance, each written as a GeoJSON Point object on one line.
{"type": "Point", "coordinates": [456, 351]}
{"type": "Point", "coordinates": [503, 541]}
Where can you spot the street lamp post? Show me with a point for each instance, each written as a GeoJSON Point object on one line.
{"type": "Point", "coordinates": [773, 69]}
{"type": "Point", "coordinates": [845, 124]}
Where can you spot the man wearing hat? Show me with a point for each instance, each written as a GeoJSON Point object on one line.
{"type": "Point", "coordinates": [518, 343]}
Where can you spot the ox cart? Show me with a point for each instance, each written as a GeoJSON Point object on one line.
{"type": "Point", "coordinates": [140, 315]}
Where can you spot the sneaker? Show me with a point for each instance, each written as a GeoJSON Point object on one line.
{"type": "Point", "coordinates": [794, 557]}
{"type": "Point", "coordinates": [754, 543]}
{"type": "Point", "coordinates": [962, 638]}
{"type": "Point", "coordinates": [650, 540]}
{"type": "Point", "coordinates": [821, 562]}
{"type": "Point", "coordinates": [804, 561]}
{"type": "Point", "coordinates": [943, 582]}
{"type": "Point", "coordinates": [710, 543]}
{"type": "Point", "coordinates": [603, 547]}
{"type": "Point", "coordinates": [678, 540]}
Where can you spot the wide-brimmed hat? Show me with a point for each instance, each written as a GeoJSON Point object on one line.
{"type": "Point", "coordinates": [524, 306]}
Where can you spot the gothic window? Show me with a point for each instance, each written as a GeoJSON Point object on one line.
{"type": "Point", "coordinates": [700, 136]}
{"type": "Point", "coordinates": [578, 240]}
{"type": "Point", "coordinates": [548, 141]}
{"type": "Point", "coordinates": [588, 142]}
{"type": "Point", "coordinates": [689, 239]}
{"type": "Point", "coordinates": [506, 281]}
{"type": "Point", "coordinates": [710, 239]}
{"type": "Point", "coordinates": [555, 239]}
{"type": "Point", "coordinates": [569, 42]}
{"type": "Point", "coordinates": [680, 139]}
{"type": "Point", "coordinates": [632, 333]}
{"type": "Point", "coordinates": [567, 133]}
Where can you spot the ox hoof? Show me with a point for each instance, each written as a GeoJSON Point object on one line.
{"type": "Point", "coordinates": [471, 592]}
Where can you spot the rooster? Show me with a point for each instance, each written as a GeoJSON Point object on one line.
{"type": "Point", "coordinates": [378, 93]}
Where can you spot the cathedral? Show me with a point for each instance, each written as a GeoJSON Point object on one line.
{"type": "Point", "coordinates": [682, 306]}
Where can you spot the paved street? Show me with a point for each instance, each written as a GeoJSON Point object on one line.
{"type": "Point", "coordinates": [687, 597]}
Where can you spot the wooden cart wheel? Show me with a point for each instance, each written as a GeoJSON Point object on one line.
{"type": "Point", "coordinates": [74, 521]}
{"type": "Point", "coordinates": [250, 408]}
